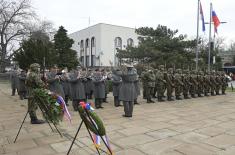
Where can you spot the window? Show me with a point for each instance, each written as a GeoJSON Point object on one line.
{"type": "Point", "coordinates": [130, 42]}
{"type": "Point", "coordinates": [93, 42]}
{"type": "Point", "coordinates": [87, 43]}
{"type": "Point", "coordinates": [118, 42]}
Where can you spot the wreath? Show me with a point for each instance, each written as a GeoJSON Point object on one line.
{"type": "Point", "coordinates": [51, 109]}
{"type": "Point", "coordinates": [85, 110]}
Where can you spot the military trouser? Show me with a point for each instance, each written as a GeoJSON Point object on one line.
{"type": "Point", "coordinates": [22, 94]}
{"type": "Point", "coordinates": [206, 90]}
{"type": "Point", "coordinates": [98, 102]}
{"type": "Point", "coordinates": [32, 107]}
{"type": "Point", "coordinates": [160, 91]}
{"type": "Point", "coordinates": [178, 90]}
{"type": "Point", "coordinates": [128, 108]}
{"type": "Point", "coordinates": [149, 93]}
{"type": "Point", "coordinates": [200, 90]}
{"type": "Point", "coordinates": [223, 88]}
{"type": "Point", "coordinates": [116, 101]}
{"type": "Point", "coordinates": [193, 90]}
{"type": "Point", "coordinates": [217, 88]}
{"type": "Point", "coordinates": [155, 91]}
{"type": "Point", "coordinates": [212, 88]}
{"type": "Point", "coordinates": [13, 92]}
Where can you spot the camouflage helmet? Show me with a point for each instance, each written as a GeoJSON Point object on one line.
{"type": "Point", "coordinates": [34, 67]}
{"type": "Point", "coordinates": [161, 67]}
{"type": "Point", "coordinates": [170, 70]}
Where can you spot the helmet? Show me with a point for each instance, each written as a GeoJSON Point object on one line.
{"type": "Point", "coordinates": [34, 67]}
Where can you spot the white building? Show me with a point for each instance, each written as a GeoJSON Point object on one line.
{"type": "Point", "coordinates": [97, 45]}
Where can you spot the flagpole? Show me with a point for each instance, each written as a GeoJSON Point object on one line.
{"type": "Point", "coordinates": [197, 48]}
{"type": "Point", "coordinates": [209, 52]}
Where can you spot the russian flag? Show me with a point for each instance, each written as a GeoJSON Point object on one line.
{"type": "Point", "coordinates": [202, 18]}
{"type": "Point", "coordinates": [215, 20]}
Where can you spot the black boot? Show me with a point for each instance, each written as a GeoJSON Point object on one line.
{"type": "Point", "coordinates": [186, 97]}
{"type": "Point", "coordinates": [160, 99]}
{"type": "Point", "coordinates": [178, 98]}
{"type": "Point", "coordinates": [34, 119]}
{"type": "Point", "coordinates": [169, 98]}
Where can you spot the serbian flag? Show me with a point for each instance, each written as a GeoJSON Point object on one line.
{"type": "Point", "coordinates": [215, 20]}
{"type": "Point", "coordinates": [202, 18]}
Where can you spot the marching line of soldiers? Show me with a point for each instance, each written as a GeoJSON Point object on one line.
{"type": "Point", "coordinates": [185, 84]}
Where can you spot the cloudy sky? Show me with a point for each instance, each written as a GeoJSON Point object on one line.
{"type": "Point", "coordinates": [176, 14]}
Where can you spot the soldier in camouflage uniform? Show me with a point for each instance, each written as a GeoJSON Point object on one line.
{"type": "Point", "coordinates": [33, 81]}
{"type": "Point", "coordinates": [224, 80]}
{"type": "Point", "coordinates": [161, 83]}
{"type": "Point", "coordinates": [218, 83]}
{"type": "Point", "coordinates": [150, 84]}
{"type": "Point", "coordinates": [193, 88]}
{"type": "Point", "coordinates": [187, 83]}
{"type": "Point", "coordinates": [206, 83]}
{"type": "Point", "coordinates": [170, 84]}
{"type": "Point", "coordinates": [213, 83]}
{"type": "Point", "coordinates": [200, 85]}
{"type": "Point", "coordinates": [178, 84]}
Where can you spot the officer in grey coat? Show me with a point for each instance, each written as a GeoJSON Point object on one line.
{"type": "Point", "coordinates": [116, 82]}
{"type": "Point", "coordinates": [99, 88]}
{"type": "Point", "coordinates": [54, 81]}
{"type": "Point", "coordinates": [14, 81]}
{"type": "Point", "coordinates": [65, 85]}
{"type": "Point", "coordinates": [127, 92]}
{"type": "Point", "coordinates": [89, 84]}
{"type": "Point", "coordinates": [22, 87]}
{"type": "Point", "coordinates": [77, 88]}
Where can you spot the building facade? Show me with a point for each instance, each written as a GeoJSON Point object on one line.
{"type": "Point", "coordinates": [97, 45]}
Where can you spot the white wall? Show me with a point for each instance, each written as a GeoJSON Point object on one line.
{"type": "Point", "coordinates": [105, 35]}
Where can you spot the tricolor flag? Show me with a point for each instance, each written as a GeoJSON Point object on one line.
{"type": "Point", "coordinates": [202, 18]}
{"type": "Point", "coordinates": [215, 20]}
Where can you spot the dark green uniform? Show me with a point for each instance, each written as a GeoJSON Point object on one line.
{"type": "Point", "coordinates": [187, 84]}
{"type": "Point", "coordinates": [200, 85]}
{"type": "Point", "coordinates": [207, 83]}
{"type": "Point", "coordinates": [150, 84]}
{"type": "Point", "coordinates": [170, 84]}
{"type": "Point", "coordinates": [161, 83]}
{"type": "Point", "coordinates": [213, 83]}
{"type": "Point", "coordinates": [193, 88]}
{"type": "Point", "coordinates": [178, 84]}
{"type": "Point", "coordinates": [224, 80]}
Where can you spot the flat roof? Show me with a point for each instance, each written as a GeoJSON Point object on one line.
{"type": "Point", "coordinates": [101, 24]}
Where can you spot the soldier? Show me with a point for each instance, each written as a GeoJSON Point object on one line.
{"type": "Point", "coordinates": [170, 84]}
{"type": "Point", "coordinates": [150, 84]}
{"type": "Point", "coordinates": [193, 80]}
{"type": "Point", "coordinates": [116, 81]}
{"type": "Point", "coordinates": [99, 88]}
{"type": "Point", "coordinates": [77, 88]}
{"type": "Point", "coordinates": [22, 87]}
{"type": "Point", "coordinates": [65, 84]}
{"type": "Point", "coordinates": [127, 90]}
{"type": "Point", "coordinates": [187, 84]}
{"type": "Point", "coordinates": [161, 83]}
{"type": "Point", "coordinates": [200, 85]}
{"type": "Point", "coordinates": [218, 83]}
{"type": "Point", "coordinates": [89, 84]}
{"type": "Point", "coordinates": [178, 84]}
{"type": "Point", "coordinates": [14, 81]}
{"type": "Point", "coordinates": [106, 83]}
{"type": "Point", "coordinates": [54, 81]}
{"type": "Point", "coordinates": [224, 80]}
{"type": "Point", "coordinates": [213, 83]}
{"type": "Point", "coordinates": [33, 81]}
{"type": "Point", "coordinates": [207, 83]}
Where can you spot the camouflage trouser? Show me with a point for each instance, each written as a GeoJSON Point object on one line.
{"type": "Point", "coordinates": [160, 90]}
{"type": "Point", "coordinates": [149, 92]}
{"type": "Point", "coordinates": [178, 90]}
{"type": "Point", "coordinates": [170, 90]}
{"type": "Point", "coordinates": [217, 88]}
{"type": "Point", "coordinates": [144, 91]}
{"type": "Point", "coordinates": [212, 88]}
{"type": "Point", "coordinates": [193, 89]}
{"type": "Point", "coordinates": [200, 89]}
{"type": "Point", "coordinates": [223, 88]}
{"type": "Point", "coordinates": [185, 90]}
{"type": "Point", "coordinates": [32, 107]}
{"type": "Point", "coordinates": [206, 89]}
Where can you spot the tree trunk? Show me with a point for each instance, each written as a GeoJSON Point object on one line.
{"type": "Point", "coordinates": [3, 60]}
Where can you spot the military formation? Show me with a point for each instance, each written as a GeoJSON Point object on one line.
{"type": "Point", "coordinates": [181, 84]}
{"type": "Point", "coordinates": [83, 84]}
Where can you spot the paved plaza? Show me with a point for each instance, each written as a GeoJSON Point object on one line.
{"type": "Point", "coordinates": [201, 126]}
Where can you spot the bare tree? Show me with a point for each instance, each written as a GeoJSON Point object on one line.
{"type": "Point", "coordinates": [15, 16]}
